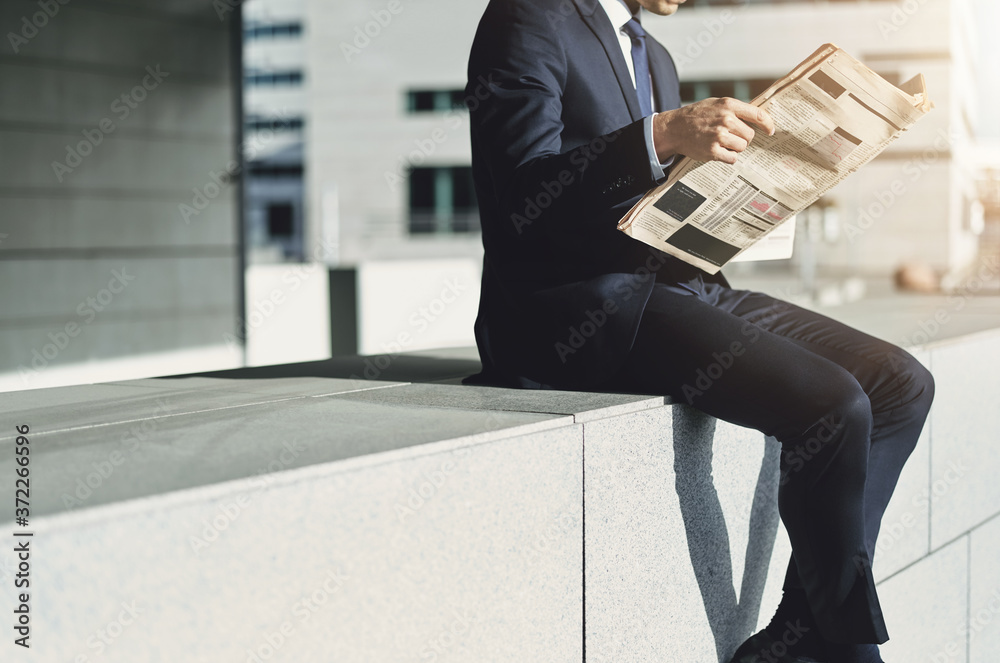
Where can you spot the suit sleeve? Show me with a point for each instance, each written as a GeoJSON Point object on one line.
{"type": "Point", "coordinates": [517, 74]}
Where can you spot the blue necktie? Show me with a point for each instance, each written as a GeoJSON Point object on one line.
{"type": "Point", "coordinates": [641, 65]}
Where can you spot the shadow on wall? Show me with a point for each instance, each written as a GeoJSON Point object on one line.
{"type": "Point", "coordinates": [731, 620]}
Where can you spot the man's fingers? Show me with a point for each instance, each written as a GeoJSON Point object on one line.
{"type": "Point", "coordinates": [754, 115]}
{"type": "Point", "coordinates": [733, 142]}
{"type": "Point", "coordinates": [741, 129]}
{"type": "Point", "coordinates": [723, 155]}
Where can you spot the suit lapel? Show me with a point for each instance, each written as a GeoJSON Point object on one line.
{"type": "Point", "coordinates": [595, 18]}
{"type": "Point", "coordinates": [664, 81]}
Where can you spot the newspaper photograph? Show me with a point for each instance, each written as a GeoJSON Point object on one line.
{"type": "Point", "coordinates": [832, 115]}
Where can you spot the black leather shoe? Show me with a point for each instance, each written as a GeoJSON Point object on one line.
{"type": "Point", "coordinates": [760, 648]}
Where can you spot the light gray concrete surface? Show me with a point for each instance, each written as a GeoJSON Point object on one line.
{"type": "Point", "coordinates": [582, 406]}
{"type": "Point", "coordinates": [680, 524]}
{"type": "Point", "coordinates": [984, 593]}
{"type": "Point", "coordinates": [469, 554]}
{"type": "Point", "coordinates": [143, 449]}
{"type": "Point", "coordinates": [85, 406]}
{"type": "Point", "coordinates": [965, 427]}
{"type": "Point", "coordinates": [926, 608]}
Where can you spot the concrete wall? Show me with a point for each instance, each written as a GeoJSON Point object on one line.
{"type": "Point", "coordinates": [97, 261]}
{"type": "Point", "coordinates": [243, 515]}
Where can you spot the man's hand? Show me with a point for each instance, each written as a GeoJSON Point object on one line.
{"type": "Point", "coordinates": [715, 129]}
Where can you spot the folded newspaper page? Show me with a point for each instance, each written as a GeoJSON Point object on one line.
{"type": "Point", "coordinates": [832, 115]}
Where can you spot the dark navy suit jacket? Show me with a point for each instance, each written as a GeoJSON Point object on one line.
{"type": "Point", "coordinates": [559, 155]}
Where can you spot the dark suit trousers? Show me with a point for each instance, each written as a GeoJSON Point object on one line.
{"type": "Point", "coordinates": [846, 407]}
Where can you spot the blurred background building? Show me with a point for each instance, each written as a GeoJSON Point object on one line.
{"type": "Point", "coordinates": [275, 105]}
{"type": "Point", "coordinates": [873, 223]}
{"type": "Point", "coordinates": [354, 210]}
{"type": "Point", "coordinates": [120, 245]}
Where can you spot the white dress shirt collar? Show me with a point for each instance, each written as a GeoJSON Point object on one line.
{"type": "Point", "coordinates": [618, 12]}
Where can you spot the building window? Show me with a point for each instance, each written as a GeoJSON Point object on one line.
{"type": "Point", "coordinates": [758, 85]}
{"type": "Point", "coordinates": [260, 31]}
{"type": "Point", "coordinates": [739, 88]}
{"type": "Point", "coordinates": [434, 101]}
{"type": "Point", "coordinates": [280, 220]}
{"type": "Point", "coordinates": [273, 78]}
{"type": "Point", "coordinates": [443, 200]}
{"type": "Point", "coordinates": [256, 123]}
{"type": "Point", "coordinates": [265, 169]}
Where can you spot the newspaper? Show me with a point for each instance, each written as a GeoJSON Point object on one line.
{"type": "Point", "coordinates": [832, 115]}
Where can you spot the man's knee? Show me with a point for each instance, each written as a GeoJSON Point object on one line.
{"type": "Point", "coordinates": [841, 411]}
{"type": "Point", "coordinates": [851, 411]}
{"type": "Point", "coordinates": [835, 427]}
{"type": "Point", "coordinates": [914, 382]}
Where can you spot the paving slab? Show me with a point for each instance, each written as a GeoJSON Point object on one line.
{"type": "Point", "coordinates": [88, 466]}
{"type": "Point", "coordinates": [81, 406]}
{"type": "Point", "coordinates": [583, 406]}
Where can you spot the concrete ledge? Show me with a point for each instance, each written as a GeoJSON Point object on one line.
{"type": "Point", "coordinates": [272, 512]}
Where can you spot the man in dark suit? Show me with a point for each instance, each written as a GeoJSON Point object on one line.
{"type": "Point", "coordinates": [581, 117]}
